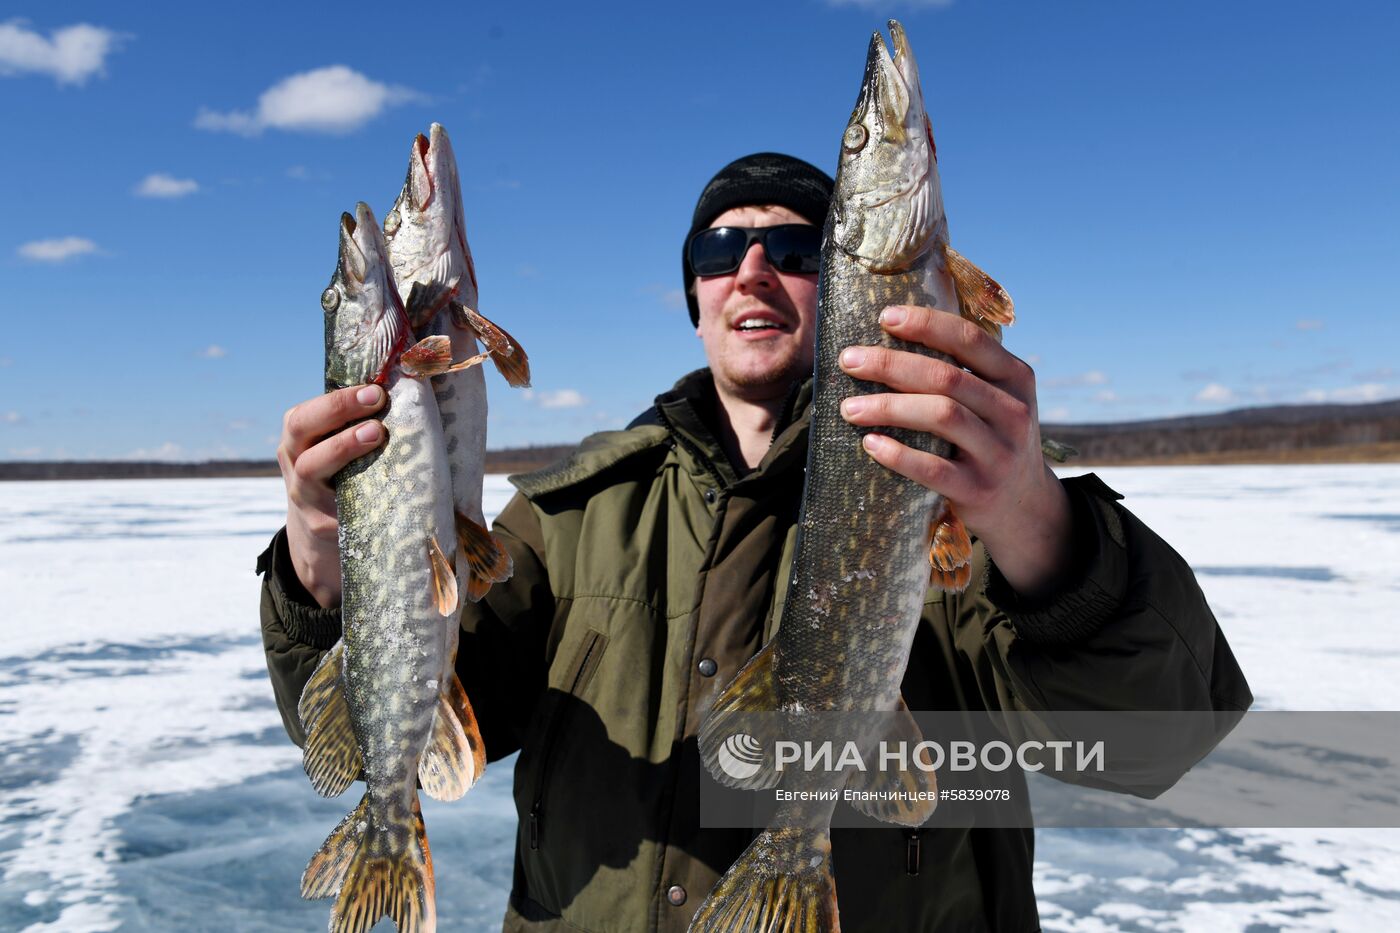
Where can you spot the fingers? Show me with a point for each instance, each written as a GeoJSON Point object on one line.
{"type": "Point", "coordinates": [307, 423]}
{"type": "Point", "coordinates": [933, 414]}
{"type": "Point", "coordinates": [319, 463]}
{"type": "Point", "coordinates": [933, 472]}
{"type": "Point", "coordinates": [969, 344]}
{"type": "Point", "coordinates": [309, 458]}
{"type": "Point", "coordinates": [924, 377]}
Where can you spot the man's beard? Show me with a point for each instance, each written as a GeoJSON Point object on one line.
{"type": "Point", "coordinates": [778, 378]}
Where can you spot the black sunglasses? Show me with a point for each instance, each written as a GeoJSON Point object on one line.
{"type": "Point", "coordinates": [789, 248]}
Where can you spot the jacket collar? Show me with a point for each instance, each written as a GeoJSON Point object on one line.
{"type": "Point", "coordinates": [689, 411]}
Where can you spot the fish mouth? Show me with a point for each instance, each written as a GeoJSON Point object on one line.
{"type": "Point", "coordinates": [422, 185]}
{"type": "Point", "coordinates": [891, 86]}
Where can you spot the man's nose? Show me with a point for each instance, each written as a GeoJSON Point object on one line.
{"type": "Point", "coordinates": [755, 271]}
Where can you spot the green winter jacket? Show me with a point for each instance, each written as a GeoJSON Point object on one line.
{"type": "Point", "coordinates": [648, 571]}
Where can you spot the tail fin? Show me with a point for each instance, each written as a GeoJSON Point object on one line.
{"type": "Point", "coordinates": [782, 883]}
{"type": "Point", "coordinates": [375, 871]}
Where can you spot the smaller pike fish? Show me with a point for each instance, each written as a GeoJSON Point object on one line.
{"type": "Point", "coordinates": [870, 542]}
{"type": "Point", "coordinates": [427, 238]}
{"type": "Point", "coordinates": [384, 702]}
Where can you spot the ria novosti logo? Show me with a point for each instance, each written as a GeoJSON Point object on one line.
{"type": "Point", "coordinates": [740, 756]}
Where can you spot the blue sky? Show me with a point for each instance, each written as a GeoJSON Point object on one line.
{"type": "Point", "coordinates": [1194, 205]}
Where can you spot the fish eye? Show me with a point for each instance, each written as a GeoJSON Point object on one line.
{"type": "Point", "coordinates": [391, 223]}
{"type": "Point", "coordinates": [855, 137]}
{"type": "Point", "coordinates": [330, 299]}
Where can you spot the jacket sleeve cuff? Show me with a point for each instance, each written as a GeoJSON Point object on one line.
{"type": "Point", "coordinates": [1093, 590]}
{"type": "Point", "coordinates": [301, 618]}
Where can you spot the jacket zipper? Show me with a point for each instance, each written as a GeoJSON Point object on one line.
{"type": "Point", "coordinates": [537, 806]}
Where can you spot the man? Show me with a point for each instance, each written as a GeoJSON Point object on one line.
{"type": "Point", "coordinates": [653, 563]}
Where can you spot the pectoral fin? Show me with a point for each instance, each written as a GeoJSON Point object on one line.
{"type": "Point", "coordinates": [432, 356]}
{"type": "Point", "coordinates": [505, 350]}
{"type": "Point", "coordinates": [980, 298]}
{"type": "Point", "coordinates": [949, 551]}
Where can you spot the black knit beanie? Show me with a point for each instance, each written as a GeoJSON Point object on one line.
{"type": "Point", "coordinates": [759, 179]}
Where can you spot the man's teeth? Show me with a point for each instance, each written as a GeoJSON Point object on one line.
{"type": "Point", "coordinates": [758, 325]}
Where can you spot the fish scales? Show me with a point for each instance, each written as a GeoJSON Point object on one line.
{"type": "Point", "coordinates": [387, 505]}
{"type": "Point", "coordinates": [861, 567]}
{"type": "Point", "coordinates": [426, 234]}
{"type": "Point", "coordinates": [380, 704]}
{"type": "Point", "coordinates": [867, 536]}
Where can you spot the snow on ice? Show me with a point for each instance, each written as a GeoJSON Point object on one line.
{"type": "Point", "coordinates": [146, 781]}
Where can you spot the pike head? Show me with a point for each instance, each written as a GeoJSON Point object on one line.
{"type": "Point", "coordinates": [427, 232]}
{"type": "Point", "coordinates": [365, 324]}
{"type": "Point", "coordinates": [888, 208]}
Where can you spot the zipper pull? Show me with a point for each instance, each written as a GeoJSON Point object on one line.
{"type": "Point", "coordinates": [911, 854]}
{"type": "Point", "coordinates": [535, 826]}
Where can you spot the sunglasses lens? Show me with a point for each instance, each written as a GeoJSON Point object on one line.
{"type": "Point", "coordinates": [717, 251]}
{"type": "Point", "coordinates": [795, 248]}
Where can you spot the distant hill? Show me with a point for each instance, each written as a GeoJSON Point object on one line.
{"type": "Point", "coordinates": [509, 460]}
{"type": "Point", "coordinates": [1362, 433]}
{"type": "Point", "coordinates": [1368, 432]}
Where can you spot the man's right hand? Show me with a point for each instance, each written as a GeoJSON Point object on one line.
{"type": "Point", "coordinates": [315, 445]}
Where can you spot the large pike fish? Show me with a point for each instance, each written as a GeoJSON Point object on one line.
{"type": "Point", "coordinates": [870, 541]}
{"type": "Point", "coordinates": [427, 238]}
{"type": "Point", "coordinates": [385, 702]}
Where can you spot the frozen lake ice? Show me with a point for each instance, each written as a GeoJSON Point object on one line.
{"type": "Point", "coordinates": [146, 782]}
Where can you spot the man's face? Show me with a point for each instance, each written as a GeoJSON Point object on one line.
{"type": "Point", "coordinates": [758, 363]}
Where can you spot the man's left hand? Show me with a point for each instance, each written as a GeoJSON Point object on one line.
{"type": "Point", "coordinates": [997, 479]}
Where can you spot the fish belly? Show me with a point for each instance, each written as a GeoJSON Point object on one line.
{"type": "Point", "coordinates": [394, 634]}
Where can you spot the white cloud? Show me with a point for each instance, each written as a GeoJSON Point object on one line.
{"type": "Point", "coordinates": [1366, 392]}
{"type": "Point", "coordinates": [57, 250]}
{"type": "Point", "coordinates": [1215, 392]}
{"type": "Point", "coordinates": [12, 417]}
{"type": "Point", "coordinates": [1106, 395]}
{"type": "Point", "coordinates": [298, 172]}
{"type": "Point", "coordinates": [335, 99]}
{"type": "Point", "coordinates": [26, 453]}
{"type": "Point", "coordinates": [561, 398]}
{"type": "Point", "coordinates": [213, 352]}
{"type": "Point", "coordinates": [1059, 413]}
{"type": "Point", "coordinates": [1309, 324]}
{"type": "Point", "coordinates": [70, 55]}
{"type": "Point", "coordinates": [1092, 378]}
{"type": "Point", "coordinates": [161, 185]}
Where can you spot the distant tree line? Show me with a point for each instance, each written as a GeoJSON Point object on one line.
{"type": "Point", "coordinates": [1280, 434]}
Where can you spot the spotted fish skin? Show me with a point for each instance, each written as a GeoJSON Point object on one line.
{"type": "Point", "coordinates": [426, 236]}
{"type": "Point", "coordinates": [374, 707]}
{"type": "Point", "coordinates": [862, 566]}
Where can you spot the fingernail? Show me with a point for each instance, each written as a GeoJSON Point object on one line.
{"type": "Point", "coordinates": [369, 395]}
{"type": "Point", "coordinates": [367, 432]}
{"type": "Point", "coordinates": [892, 316]}
{"type": "Point", "coordinates": [853, 356]}
{"type": "Point", "coordinates": [872, 442]}
{"type": "Point", "coordinates": [852, 406]}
